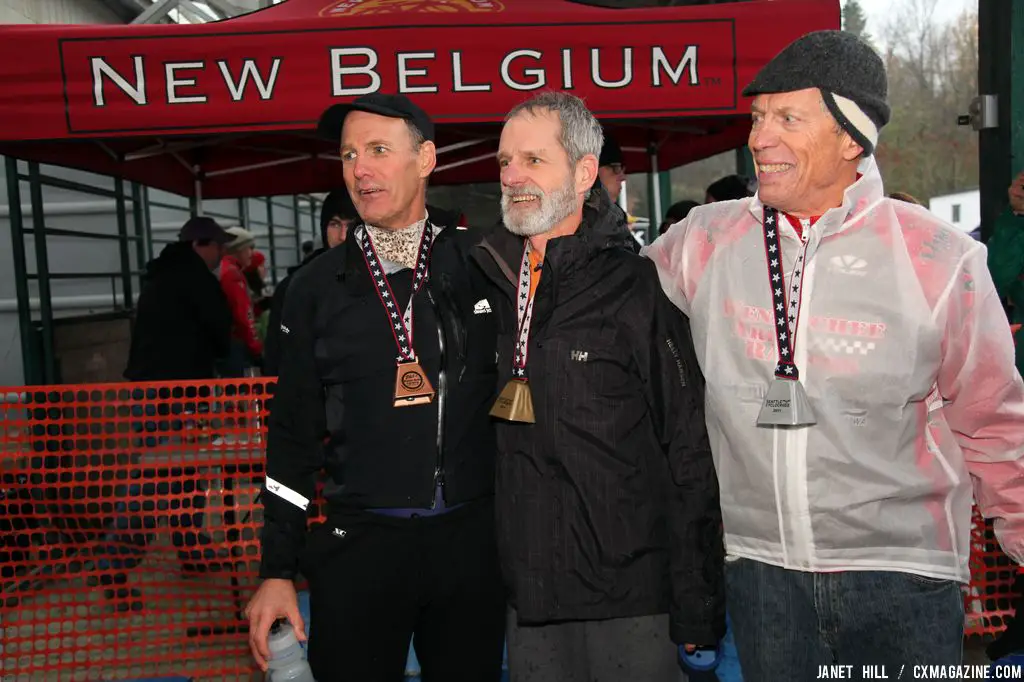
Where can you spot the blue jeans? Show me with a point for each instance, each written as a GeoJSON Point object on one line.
{"type": "Point", "coordinates": [152, 491]}
{"type": "Point", "coordinates": [138, 516]}
{"type": "Point", "coordinates": [788, 623]}
{"type": "Point", "coordinates": [237, 361]}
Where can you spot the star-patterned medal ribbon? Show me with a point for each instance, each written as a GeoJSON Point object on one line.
{"type": "Point", "coordinates": [524, 314]}
{"type": "Point", "coordinates": [785, 300]}
{"type": "Point", "coordinates": [401, 325]}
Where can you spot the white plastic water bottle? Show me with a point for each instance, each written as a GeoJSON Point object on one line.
{"type": "Point", "coordinates": [287, 660]}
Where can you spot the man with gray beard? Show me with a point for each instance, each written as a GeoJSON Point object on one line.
{"type": "Point", "coordinates": [609, 525]}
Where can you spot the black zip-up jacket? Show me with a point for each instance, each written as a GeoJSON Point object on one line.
{"type": "Point", "coordinates": [608, 505]}
{"type": "Point", "coordinates": [182, 321]}
{"type": "Point", "coordinates": [333, 405]}
{"type": "Point", "coordinates": [272, 345]}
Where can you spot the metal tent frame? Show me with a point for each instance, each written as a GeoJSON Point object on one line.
{"type": "Point", "coordinates": [134, 239]}
{"type": "Point", "coordinates": [1001, 72]}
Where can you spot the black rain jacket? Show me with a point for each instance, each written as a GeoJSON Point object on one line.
{"type": "Point", "coordinates": [608, 506]}
{"type": "Point", "coordinates": [182, 320]}
{"type": "Point", "coordinates": [333, 405]}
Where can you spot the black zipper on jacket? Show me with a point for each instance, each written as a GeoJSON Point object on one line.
{"type": "Point", "coordinates": [442, 389]}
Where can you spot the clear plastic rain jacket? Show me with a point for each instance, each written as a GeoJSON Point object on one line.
{"type": "Point", "coordinates": [907, 359]}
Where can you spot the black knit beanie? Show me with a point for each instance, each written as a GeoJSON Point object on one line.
{"type": "Point", "coordinates": [611, 152]}
{"type": "Point", "coordinates": [337, 203]}
{"type": "Point", "coordinates": [849, 73]}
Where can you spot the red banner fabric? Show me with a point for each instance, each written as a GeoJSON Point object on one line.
{"type": "Point", "coordinates": [668, 77]}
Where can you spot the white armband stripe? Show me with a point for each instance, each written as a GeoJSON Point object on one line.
{"type": "Point", "coordinates": [287, 494]}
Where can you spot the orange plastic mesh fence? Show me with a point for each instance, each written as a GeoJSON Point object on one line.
{"type": "Point", "coordinates": [129, 525]}
{"type": "Point", "coordinates": [129, 528]}
{"type": "Point", "coordinates": [990, 597]}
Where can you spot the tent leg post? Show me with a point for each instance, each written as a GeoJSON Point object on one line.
{"type": "Point", "coordinates": [1001, 149]}
{"type": "Point", "coordinates": [139, 225]}
{"type": "Point", "coordinates": [42, 272]}
{"type": "Point", "coordinates": [195, 202]}
{"type": "Point", "coordinates": [298, 231]}
{"type": "Point", "coordinates": [148, 226]}
{"type": "Point", "coordinates": [28, 367]}
{"type": "Point", "coordinates": [128, 300]}
{"type": "Point", "coordinates": [313, 224]}
{"type": "Point", "coordinates": [654, 185]}
{"type": "Point", "coordinates": [270, 237]}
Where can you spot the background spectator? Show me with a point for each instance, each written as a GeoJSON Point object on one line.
{"type": "Point", "coordinates": [246, 347]}
{"type": "Point", "coordinates": [1006, 259]}
{"type": "Point", "coordinates": [182, 322]}
{"type": "Point", "coordinates": [337, 215]}
{"type": "Point", "coordinates": [675, 213]}
{"type": "Point", "coordinates": [903, 196]}
{"type": "Point", "coordinates": [730, 187]}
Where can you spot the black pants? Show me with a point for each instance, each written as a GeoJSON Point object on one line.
{"type": "Point", "coordinates": [376, 581]}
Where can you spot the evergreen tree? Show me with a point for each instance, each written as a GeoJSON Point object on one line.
{"type": "Point", "coordinates": [854, 19]}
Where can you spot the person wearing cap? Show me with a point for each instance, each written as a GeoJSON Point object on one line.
{"type": "Point", "coordinates": [246, 347]}
{"type": "Point", "coordinates": [182, 320]}
{"type": "Point", "coordinates": [860, 384]}
{"type": "Point", "coordinates": [337, 214]}
{"type": "Point", "coordinates": [386, 375]}
{"type": "Point", "coordinates": [611, 168]}
{"type": "Point", "coordinates": [182, 328]}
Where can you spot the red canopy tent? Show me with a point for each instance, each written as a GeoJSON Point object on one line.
{"type": "Point", "coordinates": [227, 109]}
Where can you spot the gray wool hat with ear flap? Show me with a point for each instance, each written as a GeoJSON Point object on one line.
{"type": "Point", "coordinates": [848, 72]}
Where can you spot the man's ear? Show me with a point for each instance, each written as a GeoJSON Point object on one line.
{"type": "Point", "coordinates": [586, 173]}
{"type": "Point", "coordinates": [427, 158]}
{"type": "Point", "coordinates": [851, 150]}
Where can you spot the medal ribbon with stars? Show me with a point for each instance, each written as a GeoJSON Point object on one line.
{"type": "Point", "coordinates": [524, 315]}
{"type": "Point", "coordinates": [785, 304]}
{"type": "Point", "coordinates": [401, 326]}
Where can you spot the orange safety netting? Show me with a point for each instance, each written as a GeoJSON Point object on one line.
{"type": "Point", "coordinates": [129, 521]}
{"type": "Point", "coordinates": [990, 598]}
{"type": "Point", "coordinates": [129, 528]}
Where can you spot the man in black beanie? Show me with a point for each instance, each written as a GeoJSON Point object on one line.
{"type": "Point", "coordinates": [860, 386]}
{"type": "Point", "coordinates": [611, 170]}
{"type": "Point", "coordinates": [336, 215]}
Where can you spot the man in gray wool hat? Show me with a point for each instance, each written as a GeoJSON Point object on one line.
{"type": "Point", "coordinates": [861, 388]}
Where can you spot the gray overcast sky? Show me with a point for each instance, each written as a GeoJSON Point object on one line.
{"type": "Point", "coordinates": [878, 11]}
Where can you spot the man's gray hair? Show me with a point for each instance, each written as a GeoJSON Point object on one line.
{"type": "Point", "coordinates": [581, 133]}
{"type": "Point", "coordinates": [418, 138]}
